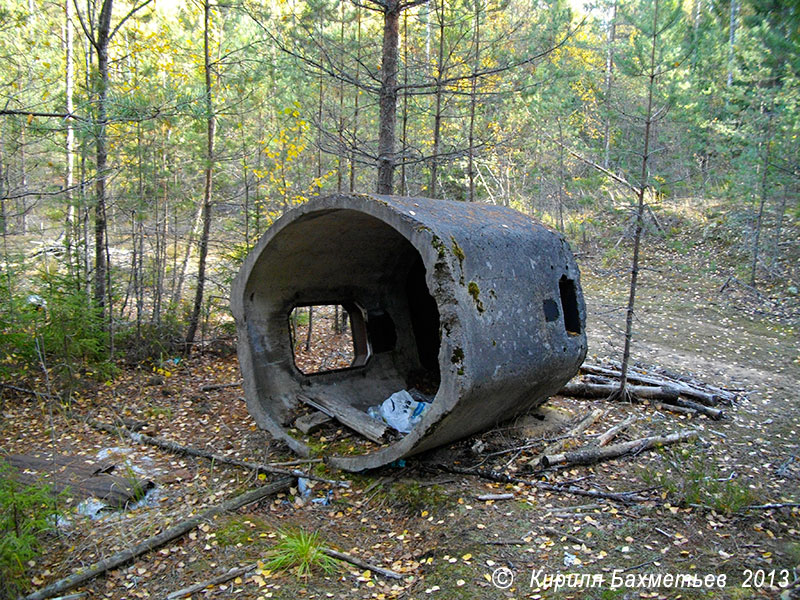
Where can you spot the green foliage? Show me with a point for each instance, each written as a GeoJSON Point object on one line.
{"type": "Point", "coordinates": [414, 497]}
{"type": "Point", "coordinates": [27, 515]}
{"type": "Point", "coordinates": [53, 325]}
{"type": "Point", "coordinates": [150, 341]}
{"type": "Point", "coordinates": [300, 552]}
{"type": "Point", "coordinates": [696, 480]}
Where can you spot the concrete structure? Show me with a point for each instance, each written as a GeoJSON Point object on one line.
{"type": "Point", "coordinates": [480, 300]}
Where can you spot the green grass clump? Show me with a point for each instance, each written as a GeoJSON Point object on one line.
{"type": "Point", "coordinates": [299, 551]}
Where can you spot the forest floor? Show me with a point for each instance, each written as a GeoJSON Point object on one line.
{"type": "Point", "coordinates": [429, 525]}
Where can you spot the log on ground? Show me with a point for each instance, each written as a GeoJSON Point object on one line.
{"type": "Point", "coordinates": [592, 454]}
{"type": "Point", "coordinates": [664, 393]}
{"type": "Point", "coordinates": [169, 534]}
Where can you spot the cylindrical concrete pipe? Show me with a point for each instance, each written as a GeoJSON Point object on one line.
{"type": "Point", "coordinates": [481, 300]}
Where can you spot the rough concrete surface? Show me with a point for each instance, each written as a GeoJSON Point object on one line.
{"type": "Point", "coordinates": [481, 302]}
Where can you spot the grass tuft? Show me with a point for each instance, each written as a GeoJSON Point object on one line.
{"type": "Point", "coordinates": [299, 551]}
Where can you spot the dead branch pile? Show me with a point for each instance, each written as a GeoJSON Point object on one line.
{"type": "Point", "coordinates": [665, 390]}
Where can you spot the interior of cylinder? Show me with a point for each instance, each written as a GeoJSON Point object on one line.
{"type": "Point", "coordinates": [350, 261]}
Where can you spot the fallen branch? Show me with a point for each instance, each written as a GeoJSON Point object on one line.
{"type": "Point", "coordinates": [494, 497]}
{"type": "Point", "coordinates": [294, 463]}
{"type": "Point", "coordinates": [239, 571]}
{"type": "Point", "coordinates": [615, 431]}
{"type": "Point", "coordinates": [160, 539]}
{"type": "Point", "coordinates": [564, 534]}
{"type": "Point", "coordinates": [622, 497]}
{"type": "Point", "coordinates": [772, 506]}
{"type": "Point", "coordinates": [593, 454]}
{"type": "Point", "coordinates": [349, 558]}
{"type": "Point", "coordinates": [176, 448]}
{"type": "Point", "coordinates": [199, 587]}
{"type": "Point", "coordinates": [219, 386]}
{"type": "Point", "coordinates": [707, 398]}
{"type": "Point", "coordinates": [710, 412]}
{"type": "Point", "coordinates": [667, 394]}
{"type": "Point", "coordinates": [556, 446]}
{"type": "Point", "coordinates": [674, 408]}
{"type": "Point", "coordinates": [26, 391]}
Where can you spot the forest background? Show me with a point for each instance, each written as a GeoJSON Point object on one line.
{"type": "Point", "coordinates": [145, 147]}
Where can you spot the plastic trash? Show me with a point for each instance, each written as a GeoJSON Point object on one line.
{"type": "Point", "coordinates": [571, 560]}
{"type": "Point", "coordinates": [303, 490]}
{"type": "Point", "coordinates": [324, 500]}
{"type": "Point", "coordinates": [399, 411]}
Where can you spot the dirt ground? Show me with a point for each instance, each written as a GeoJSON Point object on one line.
{"type": "Point", "coordinates": [429, 524]}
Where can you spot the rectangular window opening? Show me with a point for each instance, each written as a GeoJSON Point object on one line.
{"type": "Point", "coordinates": [569, 305]}
{"type": "Point", "coordinates": [322, 338]}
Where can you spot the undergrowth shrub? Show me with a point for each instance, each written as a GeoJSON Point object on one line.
{"type": "Point", "coordinates": [27, 516]}
{"type": "Point", "coordinates": [52, 325]}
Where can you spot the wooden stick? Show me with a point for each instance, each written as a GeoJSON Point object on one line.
{"type": "Point", "coordinates": [772, 506]}
{"type": "Point", "coordinates": [579, 508]}
{"type": "Point", "coordinates": [237, 571]}
{"type": "Point", "coordinates": [569, 536]}
{"type": "Point", "coordinates": [160, 539]}
{"type": "Point", "coordinates": [199, 587]}
{"type": "Point", "coordinates": [607, 390]}
{"type": "Point", "coordinates": [622, 497]}
{"type": "Point", "coordinates": [176, 448]}
{"type": "Point", "coordinates": [592, 454]}
{"type": "Point", "coordinates": [556, 446]}
{"type": "Point", "coordinates": [666, 393]}
{"type": "Point", "coordinates": [712, 413]}
{"type": "Point", "coordinates": [615, 430]}
{"type": "Point", "coordinates": [26, 391]}
{"type": "Point", "coordinates": [674, 408]}
{"type": "Point", "coordinates": [294, 463]}
{"type": "Point", "coordinates": [349, 558]}
{"type": "Point", "coordinates": [489, 497]}
{"type": "Point", "coordinates": [220, 386]}
{"type": "Point", "coordinates": [728, 395]}
{"type": "Point", "coordinates": [705, 397]}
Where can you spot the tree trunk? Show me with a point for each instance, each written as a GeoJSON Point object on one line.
{"type": "Point", "coordinates": [560, 175]}
{"type": "Point", "coordinates": [731, 42]}
{"type": "Point", "coordinates": [610, 37]}
{"type": "Point", "coordinates": [761, 202]}
{"type": "Point", "coordinates": [640, 204]}
{"type": "Point", "coordinates": [473, 101]}
{"type": "Point", "coordinates": [209, 175]}
{"type": "Point", "coordinates": [404, 134]}
{"type": "Point", "coordinates": [69, 177]}
{"type": "Point", "coordinates": [101, 154]}
{"type": "Point", "coordinates": [439, 9]}
{"type": "Point", "coordinates": [355, 101]}
{"type": "Point", "coordinates": [388, 96]}
{"type": "Point", "coordinates": [22, 208]}
{"type": "Point", "coordinates": [309, 331]}
{"type": "Point", "coordinates": [177, 295]}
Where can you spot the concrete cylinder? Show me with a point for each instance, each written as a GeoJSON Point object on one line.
{"type": "Point", "coordinates": [480, 301]}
